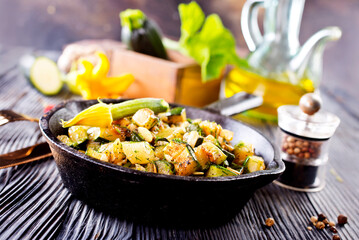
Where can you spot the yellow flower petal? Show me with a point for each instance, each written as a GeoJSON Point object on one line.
{"type": "Point", "coordinates": [98, 115]}
{"type": "Point", "coordinates": [86, 71]}
{"type": "Point", "coordinates": [102, 67]}
{"type": "Point", "coordinates": [118, 84]}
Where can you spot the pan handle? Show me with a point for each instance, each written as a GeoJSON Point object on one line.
{"type": "Point", "coordinates": [238, 103]}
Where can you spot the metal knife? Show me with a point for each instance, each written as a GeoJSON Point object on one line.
{"type": "Point", "coordinates": [25, 155]}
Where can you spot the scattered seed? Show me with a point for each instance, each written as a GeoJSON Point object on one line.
{"type": "Point", "coordinates": [309, 228]}
{"type": "Point", "coordinates": [314, 219]}
{"type": "Point", "coordinates": [321, 217]}
{"type": "Point", "coordinates": [325, 221]}
{"type": "Point", "coordinates": [331, 224]}
{"type": "Point", "coordinates": [336, 237]}
{"type": "Point", "coordinates": [342, 219]}
{"type": "Point", "coordinates": [270, 222]}
{"type": "Point", "coordinates": [333, 230]}
{"type": "Point", "coordinates": [320, 225]}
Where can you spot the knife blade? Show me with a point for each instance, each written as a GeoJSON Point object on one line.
{"type": "Point", "coordinates": [25, 155]}
{"type": "Point", "coordinates": [238, 103]}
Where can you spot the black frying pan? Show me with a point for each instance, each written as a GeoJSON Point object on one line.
{"type": "Point", "coordinates": [155, 197]}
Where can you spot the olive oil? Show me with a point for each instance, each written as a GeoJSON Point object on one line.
{"type": "Point", "coordinates": [274, 93]}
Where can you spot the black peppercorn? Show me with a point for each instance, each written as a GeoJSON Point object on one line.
{"type": "Point", "coordinates": [333, 230]}
{"type": "Point", "coordinates": [342, 219]}
{"type": "Point", "coordinates": [321, 217]}
{"type": "Point", "coordinates": [336, 237]}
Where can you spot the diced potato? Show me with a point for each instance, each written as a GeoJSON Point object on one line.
{"type": "Point", "coordinates": [145, 134]}
{"type": "Point", "coordinates": [164, 167]}
{"type": "Point", "coordinates": [185, 164]}
{"type": "Point", "coordinates": [123, 122]}
{"type": "Point", "coordinates": [145, 117]}
{"type": "Point", "coordinates": [159, 151]}
{"type": "Point", "coordinates": [106, 149]}
{"type": "Point", "coordinates": [94, 145]}
{"type": "Point", "coordinates": [118, 155]}
{"type": "Point", "coordinates": [255, 163]}
{"type": "Point", "coordinates": [166, 132]}
{"type": "Point", "coordinates": [177, 134]}
{"type": "Point", "coordinates": [132, 127]}
{"type": "Point", "coordinates": [138, 152]}
{"type": "Point", "coordinates": [242, 151]}
{"type": "Point", "coordinates": [209, 128]}
{"type": "Point", "coordinates": [163, 116]}
{"type": "Point", "coordinates": [210, 138]}
{"type": "Point", "coordinates": [110, 134]}
{"type": "Point", "coordinates": [227, 135]}
{"type": "Point", "coordinates": [66, 140]}
{"type": "Point", "coordinates": [173, 119]}
{"type": "Point", "coordinates": [173, 150]}
{"type": "Point", "coordinates": [139, 168]}
{"type": "Point", "coordinates": [209, 152]}
{"type": "Point", "coordinates": [151, 167]}
{"type": "Point", "coordinates": [191, 138]}
{"type": "Point", "coordinates": [95, 154]}
{"type": "Point", "coordinates": [202, 157]}
{"type": "Point", "coordinates": [78, 134]}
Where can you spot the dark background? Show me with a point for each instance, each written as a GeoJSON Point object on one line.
{"type": "Point", "coordinates": [50, 24]}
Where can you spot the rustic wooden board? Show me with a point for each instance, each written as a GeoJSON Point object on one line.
{"type": "Point", "coordinates": [35, 205]}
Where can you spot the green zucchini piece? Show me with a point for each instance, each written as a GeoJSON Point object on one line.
{"type": "Point", "coordinates": [141, 34]}
{"type": "Point", "coordinates": [96, 134]}
{"type": "Point", "coordinates": [254, 163]}
{"type": "Point", "coordinates": [176, 115]}
{"type": "Point", "coordinates": [43, 74]}
{"type": "Point", "coordinates": [192, 153]}
{"type": "Point", "coordinates": [95, 154]}
{"type": "Point", "coordinates": [66, 140]}
{"type": "Point", "coordinates": [243, 167]}
{"type": "Point", "coordinates": [230, 156]}
{"type": "Point", "coordinates": [127, 108]}
{"type": "Point", "coordinates": [218, 171]}
{"type": "Point", "coordinates": [135, 137]}
{"type": "Point", "coordinates": [78, 134]}
{"type": "Point", "coordinates": [164, 167]}
{"type": "Point", "coordinates": [195, 127]}
{"type": "Point", "coordinates": [175, 111]}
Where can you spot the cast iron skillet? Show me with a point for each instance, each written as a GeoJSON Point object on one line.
{"type": "Point", "coordinates": [155, 197]}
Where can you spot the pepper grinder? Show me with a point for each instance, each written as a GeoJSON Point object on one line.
{"type": "Point", "coordinates": [304, 134]}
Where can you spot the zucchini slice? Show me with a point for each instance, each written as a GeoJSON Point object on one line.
{"type": "Point", "coordinates": [43, 73]}
{"type": "Point", "coordinates": [164, 167]}
{"type": "Point", "coordinates": [218, 171]}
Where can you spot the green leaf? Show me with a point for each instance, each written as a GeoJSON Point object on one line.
{"type": "Point", "coordinates": [207, 41]}
{"type": "Point", "coordinates": [192, 18]}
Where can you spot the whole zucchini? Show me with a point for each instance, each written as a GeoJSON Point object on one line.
{"type": "Point", "coordinates": [140, 34]}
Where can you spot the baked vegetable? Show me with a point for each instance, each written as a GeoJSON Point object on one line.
{"type": "Point", "coordinates": [218, 171]}
{"type": "Point", "coordinates": [141, 34]}
{"type": "Point", "coordinates": [145, 140]}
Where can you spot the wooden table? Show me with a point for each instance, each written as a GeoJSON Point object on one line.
{"type": "Point", "coordinates": [35, 205]}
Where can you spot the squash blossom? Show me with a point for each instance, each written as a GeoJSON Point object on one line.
{"type": "Point", "coordinates": [92, 82]}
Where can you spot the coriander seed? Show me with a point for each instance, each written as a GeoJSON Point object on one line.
{"type": "Point", "coordinates": [270, 222]}
{"type": "Point", "coordinates": [320, 225]}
